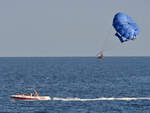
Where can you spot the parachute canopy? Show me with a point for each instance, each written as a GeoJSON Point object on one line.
{"type": "Point", "coordinates": [126, 28]}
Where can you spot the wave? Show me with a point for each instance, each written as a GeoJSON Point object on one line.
{"type": "Point", "coordinates": [101, 99]}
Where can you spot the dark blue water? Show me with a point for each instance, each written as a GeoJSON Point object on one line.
{"type": "Point", "coordinates": [81, 77]}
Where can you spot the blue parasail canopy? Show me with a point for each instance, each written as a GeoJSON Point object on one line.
{"type": "Point", "coordinates": [126, 28]}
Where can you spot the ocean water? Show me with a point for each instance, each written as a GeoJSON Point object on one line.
{"type": "Point", "coordinates": [77, 84]}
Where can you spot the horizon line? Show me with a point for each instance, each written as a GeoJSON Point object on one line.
{"type": "Point", "coordinates": [67, 56]}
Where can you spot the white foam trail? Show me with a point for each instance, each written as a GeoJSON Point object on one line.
{"type": "Point", "coordinates": [101, 99]}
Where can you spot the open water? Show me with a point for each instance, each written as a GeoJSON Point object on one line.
{"type": "Point", "coordinates": [77, 84]}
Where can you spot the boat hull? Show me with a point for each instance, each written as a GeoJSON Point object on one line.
{"type": "Point", "coordinates": [30, 98]}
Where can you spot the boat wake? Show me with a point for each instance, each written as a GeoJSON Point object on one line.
{"type": "Point", "coordinates": [101, 99]}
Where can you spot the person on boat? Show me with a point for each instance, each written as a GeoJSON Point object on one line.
{"type": "Point", "coordinates": [36, 94]}
{"type": "Point", "coordinates": [18, 93]}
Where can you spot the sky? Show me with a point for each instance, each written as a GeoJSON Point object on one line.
{"type": "Point", "coordinates": [45, 28]}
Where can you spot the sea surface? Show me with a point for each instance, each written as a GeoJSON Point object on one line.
{"type": "Point", "coordinates": [76, 84]}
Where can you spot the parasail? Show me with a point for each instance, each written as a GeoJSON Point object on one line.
{"type": "Point", "coordinates": [125, 26]}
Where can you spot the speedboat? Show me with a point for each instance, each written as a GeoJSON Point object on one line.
{"type": "Point", "coordinates": [30, 97]}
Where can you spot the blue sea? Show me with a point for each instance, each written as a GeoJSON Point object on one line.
{"type": "Point", "coordinates": [76, 84]}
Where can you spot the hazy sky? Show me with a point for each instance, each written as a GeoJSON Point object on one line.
{"type": "Point", "coordinates": [69, 27]}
